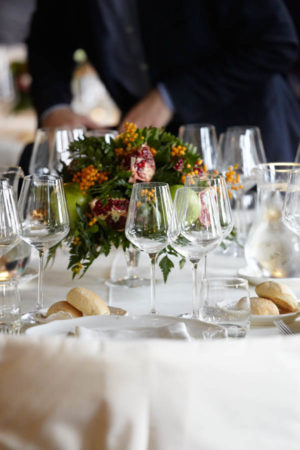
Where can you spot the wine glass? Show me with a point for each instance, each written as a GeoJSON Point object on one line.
{"type": "Point", "coordinates": [148, 223]}
{"type": "Point", "coordinates": [221, 193]}
{"type": "Point", "coordinates": [204, 138]}
{"type": "Point", "coordinates": [50, 149]}
{"type": "Point", "coordinates": [291, 207]}
{"type": "Point", "coordinates": [9, 222]}
{"type": "Point", "coordinates": [60, 153]}
{"type": "Point", "coordinates": [14, 262]}
{"type": "Point", "coordinates": [195, 228]}
{"type": "Point", "coordinates": [44, 221]}
{"type": "Point", "coordinates": [242, 147]}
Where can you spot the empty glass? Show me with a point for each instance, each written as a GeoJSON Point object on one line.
{"type": "Point", "coordinates": [222, 197]}
{"type": "Point", "coordinates": [242, 146]}
{"type": "Point", "coordinates": [9, 221]}
{"type": "Point", "coordinates": [50, 149]}
{"type": "Point", "coordinates": [44, 221]}
{"type": "Point", "coordinates": [148, 223]}
{"type": "Point", "coordinates": [204, 138]}
{"type": "Point", "coordinates": [60, 154]}
{"type": "Point", "coordinates": [226, 302]}
{"type": "Point", "coordinates": [13, 263]}
{"type": "Point", "coordinates": [291, 207]}
{"type": "Point", "coordinates": [195, 228]}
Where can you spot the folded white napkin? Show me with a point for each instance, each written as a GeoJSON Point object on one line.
{"type": "Point", "coordinates": [172, 331]}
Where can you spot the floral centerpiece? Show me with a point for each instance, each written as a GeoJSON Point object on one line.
{"type": "Point", "coordinates": [99, 180]}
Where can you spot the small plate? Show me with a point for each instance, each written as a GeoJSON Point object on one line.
{"type": "Point", "coordinates": [43, 319]}
{"type": "Point", "coordinates": [257, 278]}
{"type": "Point", "coordinates": [196, 328]}
{"type": "Point", "coordinates": [268, 321]}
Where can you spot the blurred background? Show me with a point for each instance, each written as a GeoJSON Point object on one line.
{"type": "Point", "coordinates": [17, 118]}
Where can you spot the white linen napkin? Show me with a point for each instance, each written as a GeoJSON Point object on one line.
{"type": "Point", "coordinates": [172, 331]}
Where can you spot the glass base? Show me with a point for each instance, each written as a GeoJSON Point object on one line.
{"type": "Point", "coordinates": [10, 327]}
{"type": "Point", "coordinates": [188, 316]}
{"type": "Point", "coordinates": [32, 318]}
{"type": "Point", "coordinates": [128, 282]}
{"type": "Point", "coordinates": [234, 331]}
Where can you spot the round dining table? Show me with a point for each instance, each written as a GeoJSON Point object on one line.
{"type": "Point", "coordinates": [63, 393]}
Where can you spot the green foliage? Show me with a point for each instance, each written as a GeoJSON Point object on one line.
{"type": "Point", "coordinates": [94, 237]}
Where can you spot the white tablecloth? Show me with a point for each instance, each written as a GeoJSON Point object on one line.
{"type": "Point", "coordinates": [173, 298]}
{"type": "Point", "coordinates": [62, 394]}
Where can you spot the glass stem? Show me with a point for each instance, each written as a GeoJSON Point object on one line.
{"type": "Point", "coordinates": [239, 214]}
{"type": "Point", "coordinates": [195, 311]}
{"type": "Point", "coordinates": [152, 284]}
{"type": "Point", "coordinates": [132, 256]}
{"type": "Point", "coordinates": [40, 300]}
{"type": "Point", "coordinates": [205, 267]}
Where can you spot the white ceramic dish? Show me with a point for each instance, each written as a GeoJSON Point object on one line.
{"type": "Point", "coordinates": [195, 328]}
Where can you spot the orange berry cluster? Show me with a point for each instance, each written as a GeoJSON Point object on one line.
{"type": "Point", "coordinates": [233, 179]}
{"type": "Point", "coordinates": [153, 151]}
{"type": "Point", "coordinates": [76, 269]}
{"type": "Point", "coordinates": [76, 241]}
{"type": "Point", "coordinates": [92, 221]}
{"type": "Point", "coordinates": [88, 176]}
{"type": "Point", "coordinates": [178, 151]}
{"type": "Point", "coordinates": [148, 193]}
{"type": "Point", "coordinates": [130, 133]}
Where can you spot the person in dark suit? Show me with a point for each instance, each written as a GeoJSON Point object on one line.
{"type": "Point", "coordinates": [168, 62]}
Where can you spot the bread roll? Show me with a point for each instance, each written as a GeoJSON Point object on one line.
{"type": "Point", "coordinates": [87, 301]}
{"type": "Point", "coordinates": [263, 307]}
{"type": "Point", "coordinates": [65, 307]}
{"type": "Point", "coordinates": [279, 293]}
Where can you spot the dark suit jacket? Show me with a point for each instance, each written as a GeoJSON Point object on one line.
{"type": "Point", "coordinates": [222, 61]}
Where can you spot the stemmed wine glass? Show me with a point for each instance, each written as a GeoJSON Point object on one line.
{"type": "Point", "coordinates": [148, 223]}
{"type": "Point", "coordinates": [9, 222]}
{"type": "Point", "coordinates": [44, 221]}
{"type": "Point", "coordinates": [195, 228]}
{"type": "Point", "coordinates": [204, 138]}
{"type": "Point", "coordinates": [9, 236]}
{"type": "Point", "coordinates": [291, 207]}
{"type": "Point", "coordinates": [51, 149]}
{"type": "Point", "coordinates": [242, 147]}
{"type": "Point", "coordinates": [221, 192]}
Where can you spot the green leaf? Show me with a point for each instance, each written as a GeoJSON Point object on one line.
{"type": "Point", "coordinates": [166, 265]}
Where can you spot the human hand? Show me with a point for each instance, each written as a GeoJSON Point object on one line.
{"type": "Point", "coordinates": [150, 111]}
{"type": "Point", "coordinates": [66, 117]}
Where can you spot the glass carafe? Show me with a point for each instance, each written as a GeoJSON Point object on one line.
{"type": "Point", "coordinates": [271, 248]}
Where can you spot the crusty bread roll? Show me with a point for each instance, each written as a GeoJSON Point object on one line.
{"type": "Point", "coordinates": [263, 307]}
{"type": "Point", "coordinates": [87, 301]}
{"type": "Point", "coordinates": [65, 307]}
{"type": "Point", "coordinates": [279, 293]}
